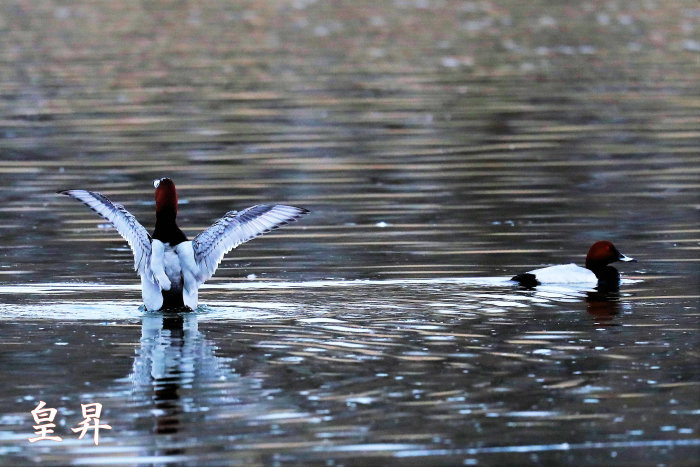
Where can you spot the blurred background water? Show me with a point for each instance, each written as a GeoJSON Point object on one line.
{"type": "Point", "coordinates": [442, 146]}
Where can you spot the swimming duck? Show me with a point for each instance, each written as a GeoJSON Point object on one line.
{"type": "Point", "coordinates": [171, 267]}
{"type": "Point", "coordinates": [596, 270]}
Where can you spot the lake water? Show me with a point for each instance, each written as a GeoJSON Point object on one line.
{"type": "Point", "coordinates": [441, 146]}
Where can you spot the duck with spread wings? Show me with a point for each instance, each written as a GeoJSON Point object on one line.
{"type": "Point", "coordinates": [172, 268]}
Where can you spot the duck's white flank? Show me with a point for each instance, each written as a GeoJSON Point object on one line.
{"type": "Point", "coordinates": [565, 274]}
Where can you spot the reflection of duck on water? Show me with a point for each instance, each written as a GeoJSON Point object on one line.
{"type": "Point", "coordinates": [603, 304]}
{"type": "Point", "coordinates": [189, 390]}
{"type": "Point", "coordinates": [171, 267]}
{"type": "Point", "coordinates": [173, 356]}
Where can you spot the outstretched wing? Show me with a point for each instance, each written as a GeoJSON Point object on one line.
{"type": "Point", "coordinates": [126, 224]}
{"type": "Point", "coordinates": [235, 228]}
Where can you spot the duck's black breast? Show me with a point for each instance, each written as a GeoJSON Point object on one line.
{"type": "Point", "coordinates": [172, 300]}
{"type": "Point", "coordinates": [608, 278]}
{"type": "Point", "coordinates": [169, 233]}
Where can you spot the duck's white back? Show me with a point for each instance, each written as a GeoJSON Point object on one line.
{"type": "Point", "coordinates": [565, 274]}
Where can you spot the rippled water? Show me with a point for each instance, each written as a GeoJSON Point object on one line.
{"type": "Point", "coordinates": [441, 147]}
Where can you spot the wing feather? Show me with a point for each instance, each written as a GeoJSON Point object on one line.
{"type": "Point", "coordinates": [235, 228]}
{"type": "Point", "coordinates": [126, 224]}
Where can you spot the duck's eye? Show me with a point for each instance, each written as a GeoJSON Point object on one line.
{"type": "Point", "coordinates": [156, 182]}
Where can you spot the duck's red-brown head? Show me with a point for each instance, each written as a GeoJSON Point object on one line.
{"type": "Point", "coordinates": [166, 229]}
{"type": "Point", "coordinates": [166, 197]}
{"type": "Point", "coordinates": [603, 253]}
